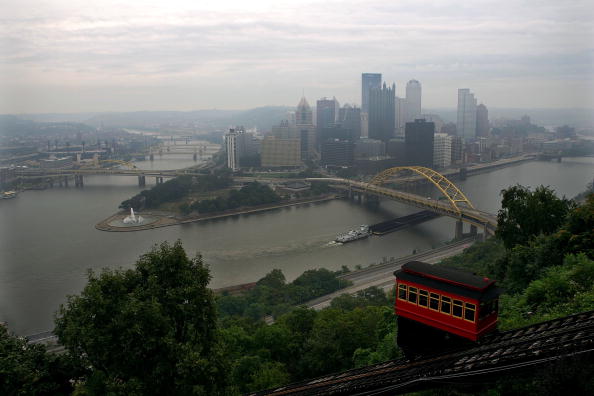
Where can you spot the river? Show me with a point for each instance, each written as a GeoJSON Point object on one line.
{"type": "Point", "coordinates": [48, 241]}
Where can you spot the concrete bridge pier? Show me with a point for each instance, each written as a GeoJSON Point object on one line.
{"type": "Point", "coordinates": [78, 181]}
{"type": "Point", "coordinates": [195, 156]}
{"type": "Point", "coordinates": [159, 180]}
{"type": "Point", "coordinates": [65, 181]}
{"type": "Point", "coordinates": [141, 181]}
{"type": "Point", "coordinates": [151, 156]}
{"type": "Point", "coordinates": [473, 230]}
{"type": "Point", "coordinates": [459, 234]}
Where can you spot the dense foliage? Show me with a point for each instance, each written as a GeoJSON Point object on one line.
{"type": "Point", "coordinates": [147, 330]}
{"type": "Point", "coordinates": [305, 343]}
{"type": "Point", "coordinates": [272, 295]}
{"type": "Point", "coordinates": [177, 188]}
{"type": "Point", "coordinates": [27, 369]}
{"type": "Point", "coordinates": [251, 194]}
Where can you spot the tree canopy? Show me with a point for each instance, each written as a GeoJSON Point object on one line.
{"type": "Point", "coordinates": [147, 330]}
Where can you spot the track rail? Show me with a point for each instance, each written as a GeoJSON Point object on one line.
{"type": "Point", "coordinates": [508, 351]}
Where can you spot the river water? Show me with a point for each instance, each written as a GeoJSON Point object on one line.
{"type": "Point", "coordinates": [48, 241]}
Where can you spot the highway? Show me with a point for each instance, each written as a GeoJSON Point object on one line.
{"type": "Point", "coordinates": [382, 275]}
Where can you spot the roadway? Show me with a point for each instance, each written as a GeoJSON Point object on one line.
{"type": "Point", "coordinates": [382, 275]}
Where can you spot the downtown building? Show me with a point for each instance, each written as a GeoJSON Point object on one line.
{"type": "Point", "coordinates": [305, 130]}
{"type": "Point", "coordinates": [369, 81]}
{"type": "Point", "coordinates": [419, 137]}
{"type": "Point", "coordinates": [466, 120]}
{"type": "Point", "coordinates": [413, 101]}
{"type": "Point", "coordinates": [239, 145]}
{"type": "Point", "coordinates": [382, 117]}
{"type": "Point", "coordinates": [280, 153]}
{"type": "Point", "coordinates": [336, 152]}
{"type": "Point", "coordinates": [482, 121]}
{"type": "Point", "coordinates": [442, 150]}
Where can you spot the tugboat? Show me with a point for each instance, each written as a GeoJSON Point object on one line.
{"type": "Point", "coordinates": [359, 233]}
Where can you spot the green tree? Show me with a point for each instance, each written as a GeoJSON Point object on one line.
{"type": "Point", "coordinates": [27, 369]}
{"type": "Point", "coordinates": [148, 330]}
{"type": "Point", "coordinates": [525, 214]}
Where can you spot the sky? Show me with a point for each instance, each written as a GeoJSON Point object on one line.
{"type": "Point", "coordinates": [94, 56]}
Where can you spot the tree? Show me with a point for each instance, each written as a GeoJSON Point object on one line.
{"type": "Point", "coordinates": [148, 330]}
{"type": "Point", "coordinates": [27, 369]}
{"type": "Point", "coordinates": [525, 214]}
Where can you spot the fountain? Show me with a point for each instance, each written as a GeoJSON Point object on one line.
{"type": "Point", "coordinates": [133, 219]}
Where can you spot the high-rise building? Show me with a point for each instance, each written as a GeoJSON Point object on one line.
{"type": "Point", "coordinates": [231, 145]}
{"type": "Point", "coordinates": [442, 150]}
{"type": "Point", "coordinates": [280, 152]}
{"type": "Point", "coordinates": [349, 118]}
{"type": "Point", "coordinates": [326, 112]}
{"type": "Point", "coordinates": [466, 122]}
{"type": "Point", "coordinates": [338, 152]}
{"type": "Point", "coordinates": [369, 148]}
{"type": "Point", "coordinates": [326, 115]}
{"type": "Point", "coordinates": [369, 81]}
{"type": "Point", "coordinates": [457, 149]}
{"type": "Point", "coordinates": [238, 145]}
{"type": "Point", "coordinates": [413, 100]}
{"type": "Point", "coordinates": [482, 121]}
{"type": "Point", "coordinates": [305, 129]}
{"type": "Point", "coordinates": [400, 114]}
{"type": "Point", "coordinates": [419, 143]}
{"type": "Point", "coordinates": [382, 110]}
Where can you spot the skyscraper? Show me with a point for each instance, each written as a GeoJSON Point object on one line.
{"type": "Point", "coordinates": [442, 150]}
{"type": "Point", "coordinates": [305, 129]}
{"type": "Point", "coordinates": [413, 100]}
{"type": "Point", "coordinates": [326, 116]}
{"type": "Point", "coordinates": [382, 110]}
{"type": "Point", "coordinates": [369, 81]}
{"type": "Point", "coordinates": [349, 118]}
{"type": "Point", "coordinates": [482, 121]}
{"type": "Point", "coordinates": [466, 125]}
{"type": "Point", "coordinates": [419, 143]}
{"type": "Point", "coordinates": [400, 116]}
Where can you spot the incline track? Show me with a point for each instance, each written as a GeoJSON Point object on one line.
{"type": "Point", "coordinates": [511, 350]}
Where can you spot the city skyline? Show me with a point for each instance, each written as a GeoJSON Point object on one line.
{"type": "Point", "coordinates": [66, 57]}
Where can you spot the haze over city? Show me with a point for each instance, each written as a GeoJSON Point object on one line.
{"type": "Point", "coordinates": [64, 56]}
{"type": "Point", "coordinates": [299, 198]}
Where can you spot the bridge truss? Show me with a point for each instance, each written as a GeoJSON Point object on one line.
{"type": "Point", "coordinates": [447, 188]}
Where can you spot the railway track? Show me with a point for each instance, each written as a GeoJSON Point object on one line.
{"type": "Point", "coordinates": [512, 350]}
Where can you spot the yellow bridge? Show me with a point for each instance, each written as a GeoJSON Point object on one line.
{"type": "Point", "coordinates": [456, 204]}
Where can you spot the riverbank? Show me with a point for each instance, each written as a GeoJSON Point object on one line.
{"type": "Point", "coordinates": [171, 220]}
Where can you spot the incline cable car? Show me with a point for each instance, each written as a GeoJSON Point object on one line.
{"type": "Point", "coordinates": [442, 308]}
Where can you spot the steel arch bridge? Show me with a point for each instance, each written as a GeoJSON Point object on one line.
{"type": "Point", "coordinates": [454, 195]}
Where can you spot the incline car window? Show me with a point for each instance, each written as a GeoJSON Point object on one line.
{"type": "Point", "coordinates": [469, 310]}
{"type": "Point", "coordinates": [446, 304]}
{"type": "Point", "coordinates": [457, 309]}
{"type": "Point", "coordinates": [402, 292]}
{"type": "Point", "coordinates": [412, 295]}
{"type": "Point", "coordinates": [434, 301]}
{"type": "Point", "coordinates": [423, 298]}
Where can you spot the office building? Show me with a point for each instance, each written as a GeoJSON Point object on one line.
{"type": "Point", "coordinates": [482, 121]}
{"type": "Point", "coordinates": [466, 120]}
{"type": "Point", "coordinates": [326, 116]}
{"type": "Point", "coordinates": [442, 150]}
{"type": "Point", "coordinates": [349, 118]}
{"type": "Point", "coordinates": [382, 113]}
{"type": "Point", "coordinates": [369, 81]}
{"type": "Point", "coordinates": [238, 145]}
{"type": "Point", "coordinates": [413, 100]}
{"type": "Point", "coordinates": [305, 129]}
{"type": "Point", "coordinates": [400, 114]}
{"type": "Point", "coordinates": [338, 152]}
{"type": "Point", "coordinates": [419, 143]}
{"type": "Point", "coordinates": [280, 152]}
{"type": "Point", "coordinates": [369, 148]}
{"type": "Point", "coordinates": [457, 150]}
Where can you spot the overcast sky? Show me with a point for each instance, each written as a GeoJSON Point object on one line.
{"type": "Point", "coordinates": [74, 56]}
